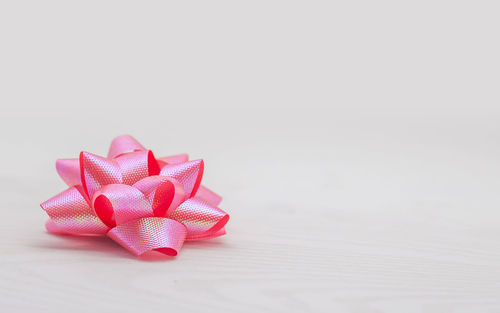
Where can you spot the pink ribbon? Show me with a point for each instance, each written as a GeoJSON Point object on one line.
{"type": "Point", "coordinates": [141, 202]}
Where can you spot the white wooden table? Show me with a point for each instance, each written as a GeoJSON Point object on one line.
{"type": "Point", "coordinates": [356, 147]}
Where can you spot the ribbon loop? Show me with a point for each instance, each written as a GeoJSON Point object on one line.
{"type": "Point", "coordinates": [116, 204]}
{"type": "Point", "coordinates": [189, 174]}
{"type": "Point", "coordinates": [97, 171]}
{"type": "Point", "coordinates": [69, 171]}
{"type": "Point", "coordinates": [123, 144]}
{"type": "Point", "coordinates": [164, 193]}
{"type": "Point", "coordinates": [69, 212]}
{"type": "Point", "coordinates": [200, 218]}
{"type": "Point", "coordinates": [151, 233]}
{"type": "Point", "coordinates": [173, 159]}
{"type": "Point", "coordinates": [208, 195]}
{"type": "Point", "coordinates": [137, 165]}
{"type": "Point", "coordinates": [220, 232]}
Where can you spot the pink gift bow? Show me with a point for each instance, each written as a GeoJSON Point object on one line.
{"type": "Point", "coordinates": [141, 202]}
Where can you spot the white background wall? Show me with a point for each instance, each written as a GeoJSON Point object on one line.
{"type": "Point", "coordinates": [355, 144]}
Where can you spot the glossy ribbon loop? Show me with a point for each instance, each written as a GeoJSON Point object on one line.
{"type": "Point", "coordinates": [69, 171]}
{"type": "Point", "coordinates": [152, 233]}
{"type": "Point", "coordinates": [123, 144]}
{"type": "Point", "coordinates": [137, 165]}
{"type": "Point", "coordinates": [174, 159]}
{"type": "Point", "coordinates": [118, 204]}
{"type": "Point", "coordinates": [189, 174]}
{"type": "Point", "coordinates": [97, 172]}
{"type": "Point", "coordinates": [164, 193]}
{"type": "Point", "coordinates": [70, 213]}
{"type": "Point", "coordinates": [208, 196]}
{"type": "Point", "coordinates": [200, 218]}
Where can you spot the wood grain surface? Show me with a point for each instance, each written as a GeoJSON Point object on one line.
{"type": "Point", "coordinates": [356, 145]}
{"type": "Point", "coordinates": [379, 227]}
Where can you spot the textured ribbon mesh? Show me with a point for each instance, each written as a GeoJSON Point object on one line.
{"type": "Point", "coordinates": [151, 233]}
{"type": "Point", "coordinates": [70, 213]}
